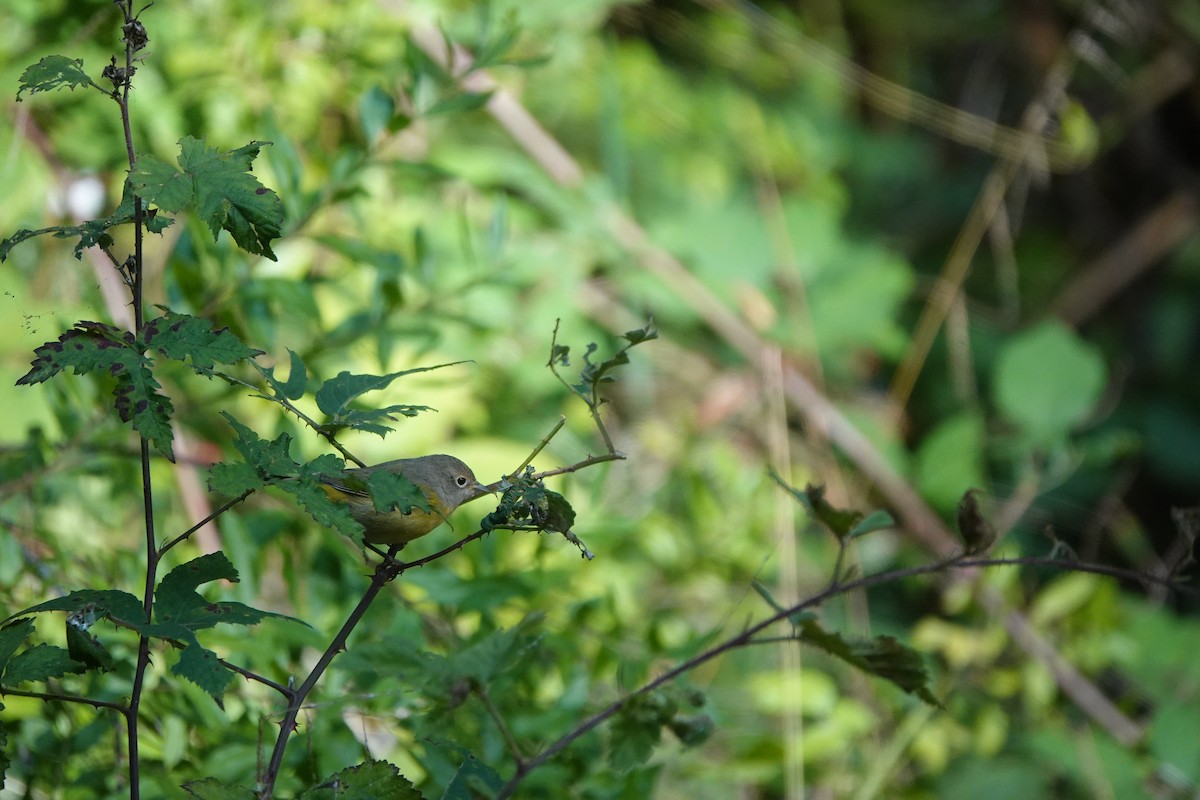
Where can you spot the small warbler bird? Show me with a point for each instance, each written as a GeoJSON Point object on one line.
{"type": "Point", "coordinates": [445, 481]}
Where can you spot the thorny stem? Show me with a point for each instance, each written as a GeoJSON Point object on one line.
{"type": "Point", "coordinates": [121, 95]}
{"type": "Point", "coordinates": [384, 573]}
{"type": "Point", "coordinates": [218, 512]}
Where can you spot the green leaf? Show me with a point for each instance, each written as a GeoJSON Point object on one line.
{"type": "Point", "coordinates": [370, 780]}
{"type": "Point", "coordinates": [219, 187]}
{"type": "Point", "coordinates": [950, 459]}
{"type": "Point", "coordinates": [86, 347]}
{"type": "Point", "coordinates": [234, 479]}
{"type": "Point", "coordinates": [178, 603]}
{"type": "Point", "coordinates": [201, 667]}
{"type": "Point", "coordinates": [328, 514]}
{"type": "Point", "coordinates": [336, 394]}
{"type": "Point", "coordinates": [180, 336]}
{"type": "Point", "coordinates": [634, 733]}
{"type": "Point", "coordinates": [882, 656]}
{"type": "Point", "coordinates": [391, 491]}
{"type": "Point", "coordinates": [54, 72]}
{"type": "Point", "coordinates": [297, 382]}
{"type": "Point", "coordinates": [495, 653]}
{"type": "Point", "coordinates": [875, 521]}
{"type": "Point", "coordinates": [376, 109]}
{"type": "Point", "coordinates": [120, 607]}
{"type": "Point", "coordinates": [1047, 380]}
{"type": "Point", "coordinates": [213, 789]}
{"type": "Point", "coordinates": [39, 663]}
{"type": "Point", "coordinates": [459, 103]}
{"type": "Point", "coordinates": [85, 648]}
{"type": "Point", "coordinates": [837, 521]}
{"type": "Point", "coordinates": [692, 730]}
{"type": "Point", "coordinates": [473, 779]}
{"type": "Point", "coordinates": [140, 403]}
{"type": "Point", "coordinates": [12, 636]}
{"type": "Point", "coordinates": [91, 346]}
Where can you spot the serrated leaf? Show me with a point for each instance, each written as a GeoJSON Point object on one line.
{"type": "Point", "coordinates": [120, 607]}
{"type": "Point", "coordinates": [54, 72]}
{"type": "Point", "coordinates": [270, 459]}
{"type": "Point", "coordinates": [370, 780]}
{"type": "Point", "coordinates": [875, 521]}
{"type": "Point", "coordinates": [178, 603]}
{"type": "Point", "coordinates": [882, 656]}
{"type": "Point", "coordinates": [297, 382]}
{"type": "Point", "coordinates": [391, 491]}
{"type": "Point", "coordinates": [12, 636]}
{"type": "Point", "coordinates": [221, 189]}
{"type": "Point", "coordinates": [139, 402]}
{"type": "Point", "coordinates": [336, 394]}
{"type": "Point", "coordinates": [312, 498]}
{"type": "Point", "coordinates": [213, 789]}
{"type": "Point", "coordinates": [473, 779]}
{"type": "Point", "coordinates": [201, 667]}
{"type": "Point", "coordinates": [631, 740]}
{"type": "Point", "coordinates": [234, 479]}
{"type": "Point", "coordinates": [39, 663]}
{"type": "Point", "coordinates": [86, 649]}
{"type": "Point", "coordinates": [85, 347]}
{"type": "Point", "coordinates": [180, 336]}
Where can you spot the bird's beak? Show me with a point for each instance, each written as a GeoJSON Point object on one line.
{"type": "Point", "coordinates": [481, 490]}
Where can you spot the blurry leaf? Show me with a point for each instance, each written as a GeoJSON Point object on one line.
{"type": "Point", "coordinates": [1063, 598]}
{"type": "Point", "coordinates": [180, 336]}
{"type": "Point", "coordinates": [221, 189]}
{"type": "Point", "coordinates": [497, 652]}
{"type": "Point", "coordinates": [836, 521]}
{"type": "Point", "coordinates": [177, 602]}
{"type": "Point", "coordinates": [39, 663]}
{"type": "Point", "coordinates": [692, 730]}
{"type": "Point", "coordinates": [376, 108]}
{"type": "Point", "coordinates": [882, 656]}
{"type": "Point", "coordinates": [371, 780]}
{"type": "Point", "coordinates": [1047, 381]}
{"type": "Point", "coordinates": [213, 789]}
{"type": "Point", "coordinates": [54, 72]}
{"type": "Point", "coordinates": [473, 779]}
{"type": "Point", "coordinates": [459, 103]}
{"type": "Point", "coordinates": [875, 521]}
{"type": "Point", "coordinates": [950, 459]}
{"type": "Point", "coordinates": [977, 533]}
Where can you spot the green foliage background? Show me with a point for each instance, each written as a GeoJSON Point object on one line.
{"type": "Point", "coordinates": [421, 233]}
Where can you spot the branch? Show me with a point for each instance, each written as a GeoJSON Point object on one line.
{"type": "Point", "coordinates": [749, 636]}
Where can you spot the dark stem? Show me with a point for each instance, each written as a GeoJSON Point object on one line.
{"type": "Point", "coordinates": [749, 635]}
{"type": "Point", "coordinates": [385, 572]}
{"type": "Point", "coordinates": [152, 554]}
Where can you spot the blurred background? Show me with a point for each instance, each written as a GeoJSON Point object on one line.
{"type": "Point", "coordinates": [901, 250]}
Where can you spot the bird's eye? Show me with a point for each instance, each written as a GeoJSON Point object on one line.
{"type": "Point", "coordinates": [460, 480]}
